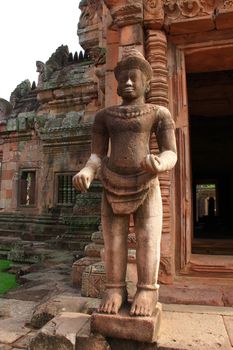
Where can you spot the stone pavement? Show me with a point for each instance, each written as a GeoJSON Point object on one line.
{"type": "Point", "coordinates": [47, 304]}
{"type": "Point", "coordinates": [183, 327]}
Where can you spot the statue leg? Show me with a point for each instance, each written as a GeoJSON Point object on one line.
{"type": "Point", "coordinates": [148, 227]}
{"type": "Point", "coordinates": [115, 233]}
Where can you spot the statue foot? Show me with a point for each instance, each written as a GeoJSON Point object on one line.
{"type": "Point", "coordinates": [112, 300]}
{"type": "Point", "coordinates": [144, 302]}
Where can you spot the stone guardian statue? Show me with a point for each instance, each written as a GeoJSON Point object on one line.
{"type": "Point", "coordinates": [129, 175]}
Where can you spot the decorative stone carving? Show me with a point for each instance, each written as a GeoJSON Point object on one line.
{"type": "Point", "coordinates": [5, 110]}
{"type": "Point", "coordinates": [228, 4]}
{"type": "Point", "coordinates": [90, 9]}
{"type": "Point", "coordinates": [153, 13]}
{"type": "Point", "coordinates": [98, 55]}
{"type": "Point", "coordinates": [21, 90]}
{"type": "Point", "coordinates": [125, 12]}
{"type": "Point", "coordinates": [175, 9]}
{"type": "Point", "coordinates": [41, 70]}
{"type": "Point", "coordinates": [156, 52]}
{"type": "Point", "coordinates": [58, 60]}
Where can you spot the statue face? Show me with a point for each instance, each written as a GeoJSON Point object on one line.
{"type": "Point", "coordinates": [132, 84]}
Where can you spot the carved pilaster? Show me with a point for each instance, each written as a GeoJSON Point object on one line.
{"type": "Point", "coordinates": [156, 54]}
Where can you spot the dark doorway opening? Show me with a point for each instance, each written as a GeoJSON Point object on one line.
{"type": "Point", "coordinates": [211, 142]}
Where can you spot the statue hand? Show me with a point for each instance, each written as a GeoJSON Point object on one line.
{"type": "Point", "coordinates": [83, 179]}
{"type": "Point", "coordinates": [152, 164]}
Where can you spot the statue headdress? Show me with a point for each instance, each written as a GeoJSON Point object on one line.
{"type": "Point", "coordinates": [132, 58]}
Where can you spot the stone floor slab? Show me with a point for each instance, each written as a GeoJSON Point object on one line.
{"type": "Point", "coordinates": [12, 329]}
{"type": "Point", "coordinates": [122, 325]}
{"type": "Point", "coordinates": [187, 331]}
{"type": "Point", "coordinates": [199, 309]}
{"type": "Point", "coordinates": [228, 321]}
{"type": "Point", "coordinates": [16, 308]}
{"type": "Point", "coordinates": [5, 347]}
{"type": "Point", "coordinates": [190, 295]}
{"type": "Point", "coordinates": [24, 342]}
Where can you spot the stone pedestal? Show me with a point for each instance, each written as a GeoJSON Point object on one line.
{"type": "Point", "coordinates": [123, 326]}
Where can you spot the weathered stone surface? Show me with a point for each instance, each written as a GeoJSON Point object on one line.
{"type": "Point", "coordinates": [24, 342]}
{"type": "Point", "coordinates": [192, 331]}
{"type": "Point", "coordinates": [92, 342]}
{"type": "Point", "coordinates": [228, 297]}
{"type": "Point", "coordinates": [12, 329]}
{"type": "Point", "coordinates": [224, 19]}
{"type": "Point", "coordinates": [62, 303]}
{"type": "Point", "coordinates": [121, 325]}
{"type": "Point", "coordinates": [16, 308]}
{"type": "Point", "coordinates": [126, 344]}
{"type": "Point", "coordinates": [5, 347]}
{"type": "Point", "coordinates": [14, 315]}
{"type": "Point", "coordinates": [60, 332]}
{"type": "Point", "coordinates": [228, 321]}
{"type": "Point", "coordinates": [190, 295]}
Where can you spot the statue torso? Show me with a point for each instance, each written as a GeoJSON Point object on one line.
{"type": "Point", "coordinates": [129, 129]}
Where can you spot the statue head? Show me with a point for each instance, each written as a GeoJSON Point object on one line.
{"type": "Point", "coordinates": [133, 74]}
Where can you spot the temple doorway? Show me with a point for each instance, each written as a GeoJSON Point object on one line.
{"type": "Point", "coordinates": [210, 100]}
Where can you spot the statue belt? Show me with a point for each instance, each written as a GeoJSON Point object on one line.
{"type": "Point", "coordinates": [125, 193]}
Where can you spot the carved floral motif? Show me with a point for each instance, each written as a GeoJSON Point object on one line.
{"type": "Point", "coordinates": [228, 4]}
{"type": "Point", "coordinates": [150, 5]}
{"type": "Point", "coordinates": [188, 8]}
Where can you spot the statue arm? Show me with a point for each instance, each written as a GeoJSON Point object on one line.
{"type": "Point", "coordinates": [99, 149]}
{"type": "Point", "coordinates": [166, 140]}
{"type": "Point", "coordinates": [165, 135]}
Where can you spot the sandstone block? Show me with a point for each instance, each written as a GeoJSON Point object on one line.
{"type": "Point", "coordinates": [131, 35]}
{"type": "Point", "coordinates": [93, 250]}
{"type": "Point", "coordinates": [112, 36]}
{"type": "Point", "coordinates": [204, 23]}
{"type": "Point", "coordinates": [93, 281]}
{"type": "Point", "coordinates": [224, 19]}
{"type": "Point", "coordinates": [112, 56]}
{"type": "Point", "coordinates": [60, 332]}
{"type": "Point", "coordinates": [123, 326]}
{"type": "Point", "coordinates": [79, 267]}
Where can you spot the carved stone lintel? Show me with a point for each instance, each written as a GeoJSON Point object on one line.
{"type": "Point", "coordinates": [176, 10]}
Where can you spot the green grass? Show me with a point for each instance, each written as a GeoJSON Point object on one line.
{"type": "Point", "coordinates": [7, 280]}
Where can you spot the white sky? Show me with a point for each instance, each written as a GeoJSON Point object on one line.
{"type": "Point", "coordinates": [32, 30]}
